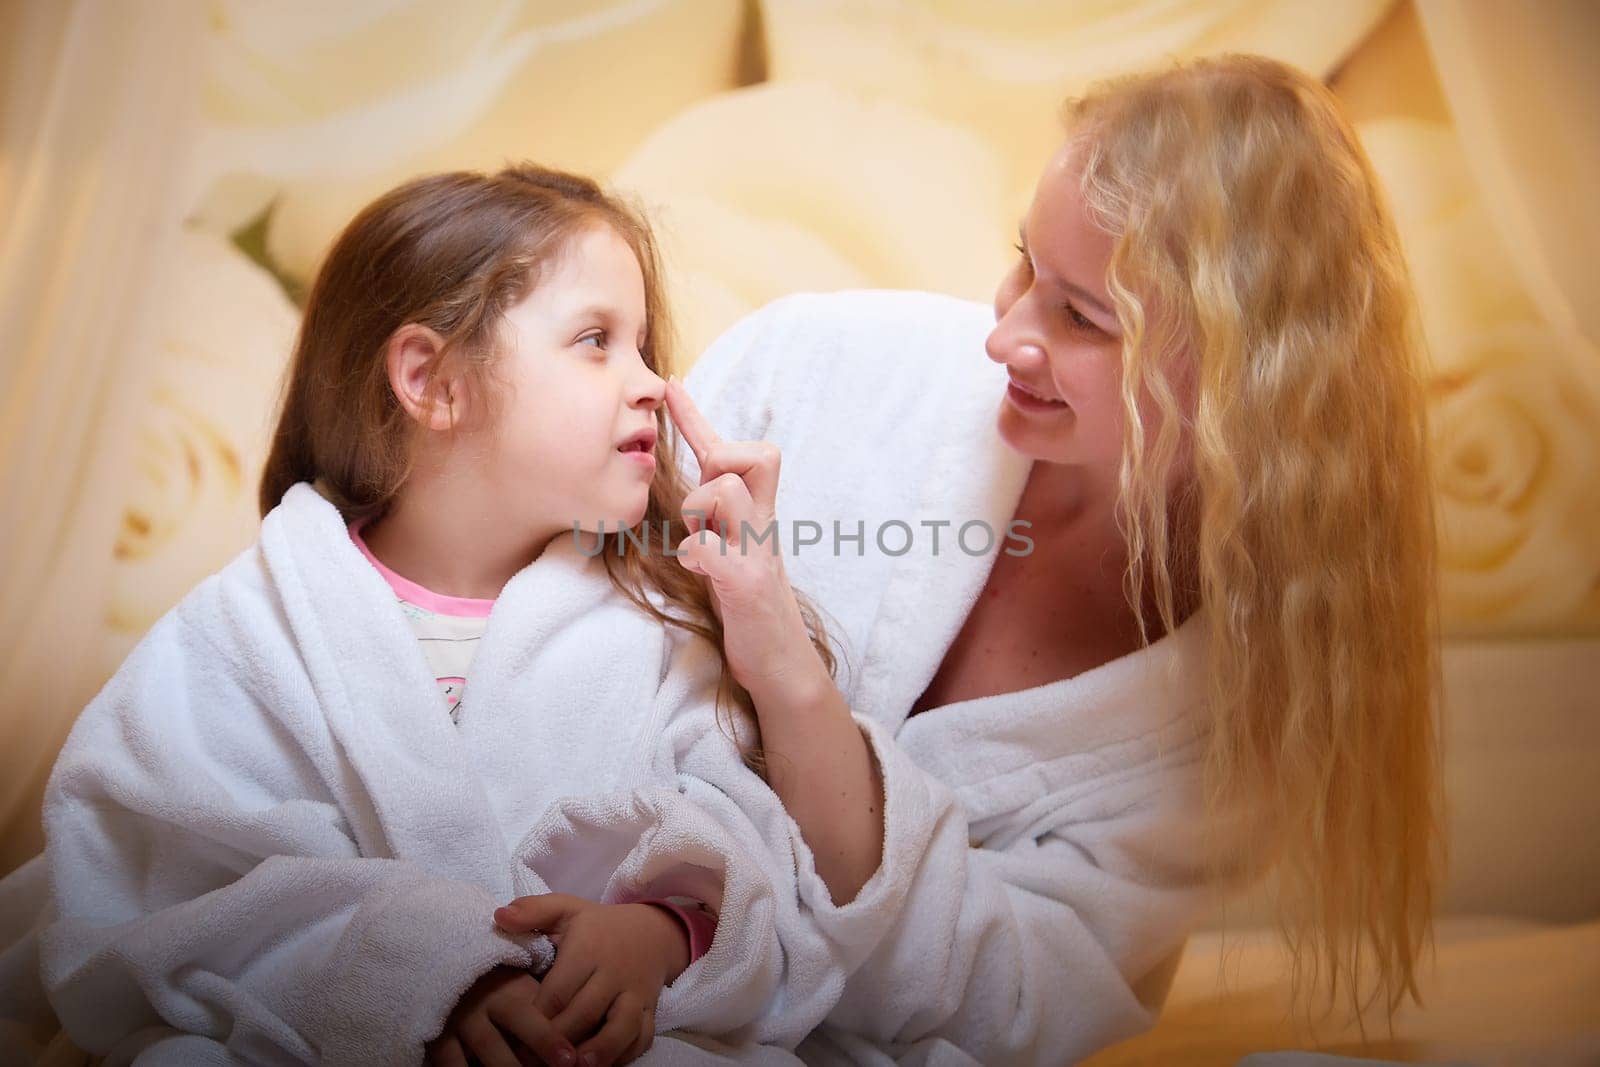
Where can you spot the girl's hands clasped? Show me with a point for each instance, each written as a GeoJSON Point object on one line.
{"type": "Point", "coordinates": [735, 545]}
{"type": "Point", "coordinates": [496, 1022]}
{"type": "Point", "coordinates": [612, 961]}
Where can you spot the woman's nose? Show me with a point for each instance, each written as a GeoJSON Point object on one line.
{"type": "Point", "coordinates": [1009, 345]}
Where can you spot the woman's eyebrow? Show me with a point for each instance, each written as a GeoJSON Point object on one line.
{"type": "Point", "coordinates": [1088, 298]}
{"type": "Point", "coordinates": [1072, 288]}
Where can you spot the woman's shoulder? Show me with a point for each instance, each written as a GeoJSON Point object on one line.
{"type": "Point", "coordinates": [854, 327]}
{"type": "Point", "coordinates": [853, 310]}
{"type": "Point", "coordinates": [824, 348]}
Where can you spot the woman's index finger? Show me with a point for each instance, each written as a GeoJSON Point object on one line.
{"type": "Point", "coordinates": [694, 427]}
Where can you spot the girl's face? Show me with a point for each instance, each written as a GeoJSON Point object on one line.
{"type": "Point", "coordinates": [577, 393]}
{"type": "Point", "coordinates": [1056, 332]}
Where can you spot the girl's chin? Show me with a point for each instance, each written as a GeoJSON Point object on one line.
{"type": "Point", "coordinates": [617, 518]}
{"type": "Point", "coordinates": [610, 525]}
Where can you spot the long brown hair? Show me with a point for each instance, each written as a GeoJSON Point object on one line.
{"type": "Point", "coordinates": [453, 252]}
{"type": "Point", "coordinates": [1248, 221]}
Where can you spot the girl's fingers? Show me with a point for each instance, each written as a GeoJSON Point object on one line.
{"type": "Point", "coordinates": [446, 1052]}
{"type": "Point", "coordinates": [545, 913]}
{"type": "Point", "coordinates": [621, 1029]}
{"type": "Point", "coordinates": [558, 988]}
{"type": "Point", "coordinates": [533, 1028]}
{"type": "Point", "coordinates": [696, 430]}
{"type": "Point", "coordinates": [484, 1040]}
{"type": "Point", "coordinates": [646, 1038]}
{"type": "Point", "coordinates": [586, 1012]}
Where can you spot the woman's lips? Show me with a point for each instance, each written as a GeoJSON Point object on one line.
{"type": "Point", "coordinates": [1028, 402]}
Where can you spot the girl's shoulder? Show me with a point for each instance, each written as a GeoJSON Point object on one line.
{"type": "Point", "coordinates": [215, 674]}
{"type": "Point", "coordinates": [230, 624]}
{"type": "Point", "coordinates": [237, 610]}
{"type": "Point", "coordinates": [232, 630]}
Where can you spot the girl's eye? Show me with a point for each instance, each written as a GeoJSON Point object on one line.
{"type": "Point", "coordinates": [598, 339]}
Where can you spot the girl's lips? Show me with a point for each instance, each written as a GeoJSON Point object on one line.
{"type": "Point", "coordinates": [643, 459]}
{"type": "Point", "coordinates": [1029, 402]}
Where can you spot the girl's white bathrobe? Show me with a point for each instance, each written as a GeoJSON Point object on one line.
{"type": "Point", "coordinates": [266, 836]}
{"type": "Point", "coordinates": [1050, 896]}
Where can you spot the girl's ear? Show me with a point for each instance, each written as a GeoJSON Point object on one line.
{"type": "Point", "coordinates": [416, 377]}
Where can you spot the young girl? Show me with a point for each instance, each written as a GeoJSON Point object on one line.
{"type": "Point", "coordinates": [438, 682]}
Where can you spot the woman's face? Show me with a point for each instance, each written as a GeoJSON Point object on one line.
{"type": "Point", "coordinates": [1056, 332]}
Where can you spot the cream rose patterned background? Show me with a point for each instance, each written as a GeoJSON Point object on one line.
{"type": "Point", "coordinates": [870, 144]}
{"type": "Point", "coordinates": [788, 145]}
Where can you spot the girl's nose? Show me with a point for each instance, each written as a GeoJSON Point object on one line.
{"type": "Point", "coordinates": [649, 390]}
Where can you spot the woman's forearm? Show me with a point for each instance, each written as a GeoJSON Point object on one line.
{"type": "Point", "coordinates": [824, 772]}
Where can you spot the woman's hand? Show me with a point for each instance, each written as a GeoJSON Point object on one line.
{"type": "Point", "coordinates": [612, 961]}
{"type": "Point", "coordinates": [501, 1002]}
{"type": "Point", "coordinates": [817, 760]}
{"type": "Point", "coordinates": [734, 543]}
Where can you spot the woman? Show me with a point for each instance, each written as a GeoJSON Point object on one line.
{"type": "Point", "coordinates": [1214, 654]}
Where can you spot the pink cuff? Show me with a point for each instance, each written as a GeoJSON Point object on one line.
{"type": "Point", "coordinates": [699, 923]}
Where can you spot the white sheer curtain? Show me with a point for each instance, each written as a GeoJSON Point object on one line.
{"type": "Point", "coordinates": [143, 348]}
{"type": "Point", "coordinates": [98, 121]}
{"type": "Point", "coordinates": [1523, 83]}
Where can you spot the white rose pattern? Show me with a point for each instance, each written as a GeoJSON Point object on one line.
{"type": "Point", "coordinates": [899, 182]}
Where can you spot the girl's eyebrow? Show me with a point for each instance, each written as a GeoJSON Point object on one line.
{"type": "Point", "coordinates": [607, 312]}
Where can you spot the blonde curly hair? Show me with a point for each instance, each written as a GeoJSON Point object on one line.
{"type": "Point", "coordinates": [1256, 264]}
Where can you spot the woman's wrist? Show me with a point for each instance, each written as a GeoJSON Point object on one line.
{"type": "Point", "coordinates": [800, 685]}
{"type": "Point", "coordinates": [824, 772]}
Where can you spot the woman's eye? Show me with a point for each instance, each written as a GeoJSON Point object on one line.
{"type": "Point", "coordinates": [1078, 319]}
{"type": "Point", "coordinates": [1024, 264]}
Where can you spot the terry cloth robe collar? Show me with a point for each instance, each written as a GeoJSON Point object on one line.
{"type": "Point", "coordinates": [383, 705]}
{"type": "Point", "coordinates": [971, 474]}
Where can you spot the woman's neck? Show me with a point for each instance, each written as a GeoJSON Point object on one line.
{"type": "Point", "coordinates": [1079, 544]}
{"type": "Point", "coordinates": [451, 537]}
{"type": "Point", "coordinates": [1063, 501]}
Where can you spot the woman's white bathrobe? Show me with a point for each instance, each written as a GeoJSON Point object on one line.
{"type": "Point", "coordinates": [1049, 899]}
{"type": "Point", "coordinates": [266, 832]}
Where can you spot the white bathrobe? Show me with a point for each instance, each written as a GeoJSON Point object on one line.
{"type": "Point", "coordinates": [1049, 899]}
{"type": "Point", "coordinates": [267, 839]}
